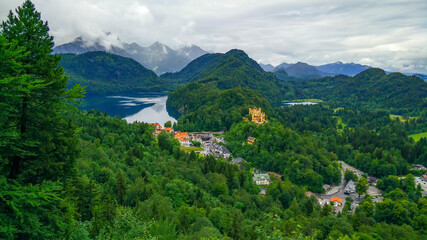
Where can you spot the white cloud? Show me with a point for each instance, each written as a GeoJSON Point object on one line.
{"type": "Point", "coordinates": [388, 34]}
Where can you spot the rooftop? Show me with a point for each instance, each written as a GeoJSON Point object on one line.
{"type": "Point", "coordinates": [261, 176]}
{"type": "Point", "coordinates": [336, 199]}
{"type": "Point", "coordinates": [182, 136]}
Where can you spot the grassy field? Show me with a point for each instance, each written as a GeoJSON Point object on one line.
{"type": "Point", "coordinates": [304, 100]}
{"type": "Point", "coordinates": [418, 136]}
{"type": "Point", "coordinates": [338, 109]}
{"type": "Point", "coordinates": [189, 149]}
{"type": "Point", "coordinates": [219, 135]}
{"type": "Point", "coordinates": [339, 121]}
{"type": "Point", "coordinates": [401, 118]}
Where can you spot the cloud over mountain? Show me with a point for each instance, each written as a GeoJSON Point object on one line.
{"type": "Point", "coordinates": [386, 34]}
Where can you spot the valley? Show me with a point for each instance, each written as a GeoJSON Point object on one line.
{"type": "Point", "coordinates": [105, 139]}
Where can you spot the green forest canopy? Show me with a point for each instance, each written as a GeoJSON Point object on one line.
{"type": "Point", "coordinates": [66, 174]}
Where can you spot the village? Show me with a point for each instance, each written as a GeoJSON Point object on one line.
{"type": "Point", "coordinates": [213, 143]}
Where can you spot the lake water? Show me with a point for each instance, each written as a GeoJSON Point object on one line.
{"type": "Point", "coordinates": [300, 103]}
{"type": "Point", "coordinates": [144, 107]}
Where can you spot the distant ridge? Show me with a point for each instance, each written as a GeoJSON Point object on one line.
{"type": "Point", "coordinates": [303, 70]}
{"type": "Point", "coordinates": [370, 89]}
{"type": "Point", "coordinates": [267, 67]}
{"type": "Point", "coordinates": [306, 71]}
{"type": "Point", "coordinates": [104, 73]}
{"type": "Point", "coordinates": [158, 57]}
{"type": "Point", "coordinates": [338, 68]}
{"type": "Point", "coordinates": [282, 66]}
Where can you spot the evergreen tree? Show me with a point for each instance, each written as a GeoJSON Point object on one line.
{"type": "Point", "coordinates": [120, 188]}
{"type": "Point", "coordinates": [12, 87]}
{"type": "Point", "coordinates": [33, 211]}
{"type": "Point", "coordinates": [46, 141]}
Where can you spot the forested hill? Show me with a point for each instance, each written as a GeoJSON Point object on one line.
{"type": "Point", "coordinates": [193, 70]}
{"type": "Point", "coordinates": [371, 89]}
{"type": "Point", "coordinates": [230, 70]}
{"type": "Point", "coordinates": [104, 73]}
{"type": "Point", "coordinates": [222, 91]}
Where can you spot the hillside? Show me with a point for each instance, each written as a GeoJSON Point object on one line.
{"type": "Point", "coordinates": [230, 70]}
{"type": "Point", "coordinates": [372, 89]}
{"type": "Point", "coordinates": [104, 73]}
{"type": "Point", "coordinates": [193, 71]}
{"type": "Point", "coordinates": [210, 76]}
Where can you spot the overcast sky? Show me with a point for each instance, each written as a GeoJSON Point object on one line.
{"type": "Point", "coordinates": [381, 33]}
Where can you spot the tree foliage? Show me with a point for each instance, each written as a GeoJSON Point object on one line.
{"type": "Point", "coordinates": [43, 146]}
{"type": "Point", "coordinates": [66, 174]}
{"type": "Point", "coordinates": [362, 186]}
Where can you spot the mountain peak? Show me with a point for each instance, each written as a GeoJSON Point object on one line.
{"type": "Point", "coordinates": [78, 39]}
{"type": "Point", "coordinates": [157, 44]}
{"type": "Point", "coordinates": [304, 70]}
{"type": "Point", "coordinates": [236, 52]}
{"type": "Point", "coordinates": [339, 67]}
{"type": "Point", "coordinates": [193, 51]}
{"type": "Point", "coordinates": [376, 73]}
{"type": "Point", "coordinates": [301, 64]}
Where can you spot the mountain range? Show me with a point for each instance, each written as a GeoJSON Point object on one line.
{"type": "Point", "coordinates": [158, 57]}
{"type": "Point", "coordinates": [338, 68]}
{"type": "Point", "coordinates": [306, 71]}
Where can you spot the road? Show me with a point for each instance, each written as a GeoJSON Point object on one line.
{"type": "Point", "coordinates": [338, 191]}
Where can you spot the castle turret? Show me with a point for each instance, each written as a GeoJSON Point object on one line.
{"type": "Point", "coordinates": [258, 116]}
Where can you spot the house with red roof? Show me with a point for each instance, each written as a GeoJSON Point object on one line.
{"type": "Point", "coordinates": [183, 138]}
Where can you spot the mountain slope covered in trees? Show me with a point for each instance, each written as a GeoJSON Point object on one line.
{"type": "Point", "coordinates": [104, 73]}
{"type": "Point", "coordinates": [221, 88]}
{"type": "Point", "coordinates": [372, 89]}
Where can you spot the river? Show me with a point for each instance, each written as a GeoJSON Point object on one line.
{"type": "Point", "coordinates": [143, 107]}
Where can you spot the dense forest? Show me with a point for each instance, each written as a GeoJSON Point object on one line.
{"type": "Point", "coordinates": [283, 150]}
{"type": "Point", "coordinates": [105, 73]}
{"type": "Point", "coordinates": [370, 89]}
{"type": "Point", "coordinates": [70, 174]}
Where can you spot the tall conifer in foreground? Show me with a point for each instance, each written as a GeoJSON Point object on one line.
{"type": "Point", "coordinates": [46, 142]}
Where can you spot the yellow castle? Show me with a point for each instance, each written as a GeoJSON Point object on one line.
{"type": "Point", "coordinates": [258, 116]}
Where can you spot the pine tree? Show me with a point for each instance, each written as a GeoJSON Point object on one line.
{"type": "Point", "coordinates": [46, 141]}
{"type": "Point", "coordinates": [120, 188]}
{"type": "Point", "coordinates": [12, 88]}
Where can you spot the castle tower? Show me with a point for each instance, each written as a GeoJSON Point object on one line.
{"type": "Point", "coordinates": [258, 116]}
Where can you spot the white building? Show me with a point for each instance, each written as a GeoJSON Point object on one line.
{"type": "Point", "coordinates": [261, 179]}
